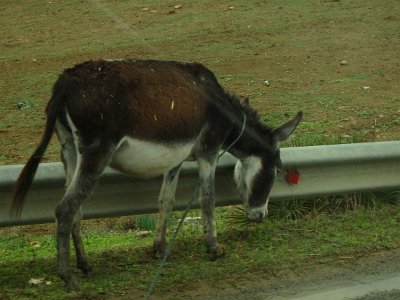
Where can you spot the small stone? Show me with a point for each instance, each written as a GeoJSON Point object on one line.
{"type": "Point", "coordinates": [142, 233]}
{"type": "Point", "coordinates": [192, 219]}
{"type": "Point", "coordinates": [36, 245]}
{"type": "Point", "coordinates": [344, 62]}
{"type": "Point", "coordinates": [178, 6]}
{"type": "Point", "coordinates": [36, 281]}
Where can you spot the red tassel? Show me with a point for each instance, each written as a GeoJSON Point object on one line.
{"type": "Point", "coordinates": [292, 176]}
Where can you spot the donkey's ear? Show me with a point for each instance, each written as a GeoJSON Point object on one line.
{"type": "Point", "coordinates": [284, 131]}
{"type": "Point", "coordinates": [246, 101]}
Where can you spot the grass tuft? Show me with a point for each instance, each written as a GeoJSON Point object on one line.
{"type": "Point", "coordinates": [296, 209]}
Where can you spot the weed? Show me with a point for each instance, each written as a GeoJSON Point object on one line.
{"type": "Point", "coordinates": [396, 122]}
{"type": "Point", "coordinates": [122, 223]}
{"type": "Point", "coordinates": [236, 216]}
{"type": "Point", "coordinates": [146, 222]}
{"type": "Point", "coordinates": [295, 209]}
{"type": "Point", "coordinates": [355, 77]}
{"type": "Point", "coordinates": [226, 78]}
{"type": "Point", "coordinates": [320, 139]}
{"type": "Point", "coordinates": [26, 104]}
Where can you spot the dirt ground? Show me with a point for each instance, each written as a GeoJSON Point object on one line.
{"type": "Point", "coordinates": [335, 60]}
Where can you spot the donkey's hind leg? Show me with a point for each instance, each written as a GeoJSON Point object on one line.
{"type": "Point", "coordinates": [69, 159]}
{"type": "Point", "coordinates": [166, 203]}
{"type": "Point", "coordinates": [91, 163]}
{"type": "Point", "coordinates": [81, 259]}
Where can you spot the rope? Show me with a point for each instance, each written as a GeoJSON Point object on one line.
{"type": "Point", "coordinates": [173, 240]}
{"type": "Point", "coordinates": [169, 247]}
{"type": "Point", "coordinates": [237, 139]}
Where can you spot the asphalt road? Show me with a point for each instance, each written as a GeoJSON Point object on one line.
{"type": "Point", "coordinates": [370, 289]}
{"type": "Point", "coordinates": [375, 276]}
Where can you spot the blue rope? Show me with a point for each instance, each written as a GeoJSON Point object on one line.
{"type": "Point", "coordinates": [237, 139]}
{"type": "Point", "coordinates": [169, 247]}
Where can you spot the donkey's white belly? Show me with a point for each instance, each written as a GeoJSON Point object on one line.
{"type": "Point", "coordinates": [147, 159]}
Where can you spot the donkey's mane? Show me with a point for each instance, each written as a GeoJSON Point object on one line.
{"type": "Point", "coordinates": [253, 118]}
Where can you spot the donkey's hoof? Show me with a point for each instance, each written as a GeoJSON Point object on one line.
{"type": "Point", "coordinates": [71, 285]}
{"type": "Point", "coordinates": [159, 250]}
{"type": "Point", "coordinates": [214, 254]}
{"type": "Point", "coordinates": [85, 268]}
{"type": "Point", "coordinates": [159, 254]}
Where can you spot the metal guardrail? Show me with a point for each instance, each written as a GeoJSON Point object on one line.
{"type": "Point", "coordinates": [323, 170]}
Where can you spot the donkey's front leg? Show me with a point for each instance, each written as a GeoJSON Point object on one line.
{"type": "Point", "coordinates": [207, 167]}
{"type": "Point", "coordinates": [166, 203]}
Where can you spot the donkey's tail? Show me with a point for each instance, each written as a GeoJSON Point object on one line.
{"type": "Point", "coordinates": [25, 179]}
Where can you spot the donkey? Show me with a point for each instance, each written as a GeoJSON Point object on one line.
{"type": "Point", "coordinates": [145, 118]}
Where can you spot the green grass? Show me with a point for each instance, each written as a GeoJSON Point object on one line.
{"type": "Point", "coordinates": [355, 77]}
{"type": "Point", "coordinates": [122, 261]}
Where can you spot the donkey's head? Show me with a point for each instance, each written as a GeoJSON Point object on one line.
{"type": "Point", "coordinates": [255, 173]}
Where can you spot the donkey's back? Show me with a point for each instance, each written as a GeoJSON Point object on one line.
{"type": "Point", "coordinates": [152, 100]}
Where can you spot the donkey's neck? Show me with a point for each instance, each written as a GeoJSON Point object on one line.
{"type": "Point", "coordinates": [249, 136]}
{"type": "Point", "coordinates": [239, 131]}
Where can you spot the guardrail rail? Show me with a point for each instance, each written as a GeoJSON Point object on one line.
{"type": "Point", "coordinates": [324, 170]}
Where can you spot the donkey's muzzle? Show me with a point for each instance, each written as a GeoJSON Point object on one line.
{"type": "Point", "coordinates": [256, 214]}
